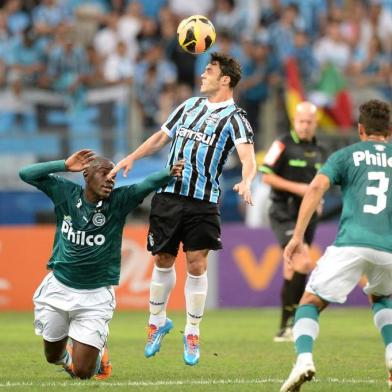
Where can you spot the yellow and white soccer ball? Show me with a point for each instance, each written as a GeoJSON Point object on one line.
{"type": "Point", "coordinates": [196, 34]}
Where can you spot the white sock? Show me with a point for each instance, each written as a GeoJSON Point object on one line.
{"type": "Point", "coordinates": [304, 358]}
{"type": "Point", "coordinates": [388, 356]}
{"type": "Point", "coordinates": [162, 282]}
{"type": "Point", "coordinates": [195, 297]}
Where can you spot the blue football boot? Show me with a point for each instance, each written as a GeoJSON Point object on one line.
{"type": "Point", "coordinates": [155, 337]}
{"type": "Point", "coordinates": [191, 349]}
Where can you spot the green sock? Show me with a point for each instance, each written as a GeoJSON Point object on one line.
{"type": "Point", "coordinates": [306, 328]}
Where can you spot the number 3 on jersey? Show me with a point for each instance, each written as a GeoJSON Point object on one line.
{"type": "Point", "coordinates": [378, 191]}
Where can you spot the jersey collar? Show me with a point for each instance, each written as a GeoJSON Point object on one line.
{"type": "Point", "coordinates": [218, 105]}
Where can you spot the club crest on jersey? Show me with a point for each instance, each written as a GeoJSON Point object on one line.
{"type": "Point", "coordinates": [68, 219]}
{"type": "Point", "coordinates": [99, 219]}
{"type": "Point", "coordinates": [213, 119]}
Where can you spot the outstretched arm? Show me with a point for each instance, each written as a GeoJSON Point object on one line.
{"type": "Point", "coordinates": [153, 144]}
{"type": "Point", "coordinates": [76, 162]}
{"type": "Point", "coordinates": [309, 204]}
{"type": "Point", "coordinates": [158, 179]}
{"type": "Point", "coordinates": [246, 154]}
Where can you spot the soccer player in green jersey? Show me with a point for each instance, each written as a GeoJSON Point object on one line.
{"type": "Point", "coordinates": [364, 172]}
{"type": "Point", "coordinates": [76, 299]}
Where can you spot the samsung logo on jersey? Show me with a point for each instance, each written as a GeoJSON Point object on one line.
{"type": "Point", "coordinates": [377, 159]}
{"type": "Point", "coordinates": [79, 237]}
{"type": "Point", "coordinates": [198, 136]}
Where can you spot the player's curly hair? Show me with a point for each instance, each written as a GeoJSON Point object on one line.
{"type": "Point", "coordinates": [229, 66]}
{"type": "Point", "coordinates": [375, 116]}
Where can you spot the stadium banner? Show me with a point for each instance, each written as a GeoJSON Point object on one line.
{"type": "Point", "coordinates": [25, 250]}
{"type": "Point", "coordinates": [250, 266]}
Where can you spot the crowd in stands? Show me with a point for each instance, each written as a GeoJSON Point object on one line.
{"type": "Point", "coordinates": [69, 46]}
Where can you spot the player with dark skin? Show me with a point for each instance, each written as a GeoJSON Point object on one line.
{"type": "Point", "coordinates": [98, 186]}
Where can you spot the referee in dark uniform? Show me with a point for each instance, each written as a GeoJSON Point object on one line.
{"type": "Point", "coordinates": [289, 166]}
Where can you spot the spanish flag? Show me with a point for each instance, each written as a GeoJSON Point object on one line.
{"type": "Point", "coordinates": [339, 115]}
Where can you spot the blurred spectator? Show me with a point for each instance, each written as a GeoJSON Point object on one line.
{"type": "Point", "coordinates": [88, 15]}
{"type": "Point", "coordinates": [355, 27]}
{"type": "Point", "coordinates": [270, 13]}
{"type": "Point", "coordinates": [94, 69]}
{"type": "Point", "coordinates": [304, 56]}
{"type": "Point", "coordinates": [381, 20]}
{"type": "Point", "coordinates": [25, 62]}
{"type": "Point", "coordinates": [152, 76]}
{"type": "Point", "coordinates": [331, 49]}
{"type": "Point", "coordinates": [313, 13]}
{"type": "Point", "coordinates": [17, 19]}
{"type": "Point", "coordinates": [259, 71]}
{"type": "Point", "coordinates": [228, 16]}
{"type": "Point", "coordinates": [119, 67]}
{"type": "Point", "coordinates": [67, 66]}
{"type": "Point", "coordinates": [251, 10]}
{"type": "Point", "coordinates": [149, 34]}
{"type": "Point", "coordinates": [171, 97]}
{"type": "Point", "coordinates": [184, 62]}
{"type": "Point", "coordinates": [282, 32]}
{"type": "Point", "coordinates": [4, 46]}
{"type": "Point", "coordinates": [183, 8]}
{"type": "Point", "coordinates": [48, 15]}
{"type": "Point", "coordinates": [370, 72]}
{"type": "Point", "coordinates": [150, 8]}
{"type": "Point", "coordinates": [118, 6]}
{"type": "Point", "coordinates": [105, 41]}
{"type": "Point", "coordinates": [129, 26]}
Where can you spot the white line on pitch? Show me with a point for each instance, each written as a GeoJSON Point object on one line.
{"type": "Point", "coordinates": [182, 382]}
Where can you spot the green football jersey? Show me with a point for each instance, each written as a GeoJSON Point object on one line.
{"type": "Point", "coordinates": [364, 173]}
{"type": "Point", "coordinates": [87, 244]}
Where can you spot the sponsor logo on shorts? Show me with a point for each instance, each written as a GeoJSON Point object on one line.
{"type": "Point", "coordinates": [79, 237]}
{"type": "Point", "coordinates": [151, 239]}
{"type": "Point", "coordinates": [39, 326]}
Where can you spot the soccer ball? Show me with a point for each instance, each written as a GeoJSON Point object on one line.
{"type": "Point", "coordinates": [196, 34]}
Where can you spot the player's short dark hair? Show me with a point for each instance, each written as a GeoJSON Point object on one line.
{"type": "Point", "coordinates": [229, 66]}
{"type": "Point", "coordinates": [375, 116]}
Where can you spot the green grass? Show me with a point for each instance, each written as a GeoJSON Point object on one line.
{"type": "Point", "coordinates": [237, 355]}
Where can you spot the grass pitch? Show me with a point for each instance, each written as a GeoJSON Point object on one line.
{"type": "Point", "coordinates": [237, 354]}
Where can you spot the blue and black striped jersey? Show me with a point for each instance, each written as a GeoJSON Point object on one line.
{"type": "Point", "coordinates": [204, 134]}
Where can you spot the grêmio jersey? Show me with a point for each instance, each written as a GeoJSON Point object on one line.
{"type": "Point", "coordinates": [204, 134]}
{"type": "Point", "coordinates": [87, 245]}
{"type": "Point", "coordinates": [364, 173]}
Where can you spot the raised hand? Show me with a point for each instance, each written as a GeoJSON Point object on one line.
{"type": "Point", "coordinates": [244, 191]}
{"type": "Point", "coordinates": [125, 163]}
{"type": "Point", "coordinates": [177, 168]}
{"type": "Point", "coordinates": [292, 248]}
{"type": "Point", "coordinates": [79, 160]}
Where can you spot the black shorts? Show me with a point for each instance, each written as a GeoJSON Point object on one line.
{"type": "Point", "coordinates": [175, 219]}
{"type": "Point", "coordinates": [283, 226]}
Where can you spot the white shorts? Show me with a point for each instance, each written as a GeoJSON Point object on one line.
{"type": "Point", "coordinates": [340, 268]}
{"type": "Point", "coordinates": [83, 315]}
